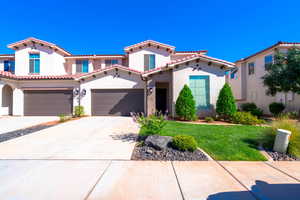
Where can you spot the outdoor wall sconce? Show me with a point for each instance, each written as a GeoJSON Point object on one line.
{"type": "Point", "coordinates": [80, 93]}
{"type": "Point", "coordinates": [149, 90]}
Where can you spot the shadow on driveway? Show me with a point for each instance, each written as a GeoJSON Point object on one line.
{"type": "Point", "coordinates": [263, 191]}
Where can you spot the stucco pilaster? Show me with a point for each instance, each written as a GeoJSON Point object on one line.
{"type": "Point", "coordinates": [151, 97]}
{"type": "Point", "coordinates": [18, 102]}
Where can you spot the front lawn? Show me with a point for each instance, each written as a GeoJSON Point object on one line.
{"type": "Point", "coordinates": [232, 142]}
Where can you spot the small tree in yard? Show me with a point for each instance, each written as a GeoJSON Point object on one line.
{"type": "Point", "coordinates": [185, 104]}
{"type": "Point", "coordinates": [284, 74]}
{"type": "Point", "coordinates": [226, 106]}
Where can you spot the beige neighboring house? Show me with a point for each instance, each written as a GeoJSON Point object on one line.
{"type": "Point", "coordinates": [247, 84]}
{"type": "Point", "coordinates": [41, 78]}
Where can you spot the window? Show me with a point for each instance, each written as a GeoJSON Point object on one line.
{"type": "Point", "coordinates": [233, 74]}
{"type": "Point", "coordinates": [149, 61]}
{"type": "Point", "coordinates": [82, 66]}
{"type": "Point", "coordinates": [111, 62]}
{"type": "Point", "coordinates": [268, 61]}
{"type": "Point", "coordinates": [9, 66]}
{"type": "Point", "coordinates": [251, 67]}
{"type": "Point", "coordinates": [34, 63]}
{"type": "Point", "coordinates": [200, 89]}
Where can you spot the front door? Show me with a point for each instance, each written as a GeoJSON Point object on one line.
{"type": "Point", "coordinates": [200, 90]}
{"type": "Point", "coordinates": [161, 100]}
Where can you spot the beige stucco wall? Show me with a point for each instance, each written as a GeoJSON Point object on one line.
{"type": "Point", "coordinates": [255, 91]}
{"type": "Point", "coordinates": [136, 58]}
{"type": "Point", "coordinates": [236, 83]}
{"type": "Point", "coordinates": [216, 81]}
{"type": "Point", "coordinates": [108, 81]}
{"type": "Point", "coordinates": [51, 62]}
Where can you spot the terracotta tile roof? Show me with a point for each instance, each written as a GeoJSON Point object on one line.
{"type": "Point", "coordinates": [97, 55]}
{"type": "Point", "coordinates": [183, 52]}
{"type": "Point", "coordinates": [7, 55]}
{"type": "Point", "coordinates": [99, 71]}
{"type": "Point", "coordinates": [32, 39]}
{"type": "Point", "coordinates": [187, 59]}
{"type": "Point", "coordinates": [148, 42]}
{"type": "Point", "coordinates": [9, 75]}
{"type": "Point", "coordinates": [280, 43]}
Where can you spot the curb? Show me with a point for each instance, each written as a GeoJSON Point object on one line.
{"type": "Point", "coordinates": [206, 154]}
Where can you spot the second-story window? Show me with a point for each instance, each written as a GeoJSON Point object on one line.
{"type": "Point", "coordinates": [233, 74]}
{"type": "Point", "coordinates": [268, 61]}
{"type": "Point", "coordinates": [109, 63]}
{"type": "Point", "coordinates": [34, 63]}
{"type": "Point", "coordinates": [149, 61]}
{"type": "Point", "coordinates": [82, 66]}
{"type": "Point", "coordinates": [251, 68]}
{"type": "Point", "coordinates": [9, 66]}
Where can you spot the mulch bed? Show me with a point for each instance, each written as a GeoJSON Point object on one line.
{"type": "Point", "coordinates": [276, 156]}
{"type": "Point", "coordinates": [169, 154]}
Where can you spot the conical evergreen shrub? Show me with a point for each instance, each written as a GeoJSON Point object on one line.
{"type": "Point", "coordinates": [185, 104]}
{"type": "Point", "coordinates": [226, 106]}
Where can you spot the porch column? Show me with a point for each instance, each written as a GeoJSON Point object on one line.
{"type": "Point", "coordinates": [151, 94]}
{"type": "Point", "coordinates": [18, 102]}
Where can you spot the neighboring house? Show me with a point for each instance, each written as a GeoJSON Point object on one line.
{"type": "Point", "coordinates": [42, 78]}
{"type": "Point", "coordinates": [247, 84]}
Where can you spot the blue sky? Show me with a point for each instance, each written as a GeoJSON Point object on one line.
{"type": "Point", "coordinates": [227, 29]}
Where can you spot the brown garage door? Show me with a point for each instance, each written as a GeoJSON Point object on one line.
{"type": "Point", "coordinates": [117, 101]}
{"type": "Point", "coordinates": [47, 102]}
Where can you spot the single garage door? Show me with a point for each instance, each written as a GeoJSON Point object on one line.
{"type": "Point", "coordinates": [117, 101]}
{"type": "Point", "coordinates": [48, 102]}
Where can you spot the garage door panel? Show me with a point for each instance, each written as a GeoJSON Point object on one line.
{"type": "Point", "coordinates": [117, 101]}
{"type": "Point", "coordinates": [48, 102]}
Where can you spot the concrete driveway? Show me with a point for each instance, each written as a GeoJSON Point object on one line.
{"type": "Point", "coordinates": [10, 123]}
{"type": "Point", "coordinates": [86, 138]}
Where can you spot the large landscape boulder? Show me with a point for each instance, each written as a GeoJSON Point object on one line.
{"type": "Point", "coordinates": [158, 142]}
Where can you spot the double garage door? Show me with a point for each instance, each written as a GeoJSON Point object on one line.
{"type": "Point", "coordinates": [48, 102]}
{"type": "Point", "coordinates": [118, 102]}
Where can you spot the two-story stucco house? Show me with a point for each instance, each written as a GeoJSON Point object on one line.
{"type": "Point", "coordinates": [247, 84]}
{"type": "Point", "coordinates": [41, 78]}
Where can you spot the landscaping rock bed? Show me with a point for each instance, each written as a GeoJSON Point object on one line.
{"type": "Point", "coordinates": [22, 132]}
{"type": "Point", "coordinates": [276, 156]}
{"type": "Point", "coordinates": [149, 153]}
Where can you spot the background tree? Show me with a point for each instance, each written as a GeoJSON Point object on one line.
{"type": "Point", "coordinates": [185, 106]}
{"type": "Point", "coordinates": [284, 74]}
{"type": "Point", "coordinates": [226, 106]}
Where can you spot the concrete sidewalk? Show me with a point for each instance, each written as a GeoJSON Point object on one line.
{"type": "Point", "coordinates": [129, 180]}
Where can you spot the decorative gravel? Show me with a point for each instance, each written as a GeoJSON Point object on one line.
{"type": "Point", "coordinates": [149, 153]}
{"type": "Point", "coordinates": [22, 132]}
{"type": "Point", "coordinates": [282, 156]}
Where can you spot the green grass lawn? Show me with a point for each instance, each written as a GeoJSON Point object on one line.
{"type": "Point", "coordinates": [232, 142]}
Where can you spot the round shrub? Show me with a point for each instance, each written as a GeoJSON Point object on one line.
{"type": "Point", "coordinates": [252, 108]}
{"type": "Point", "coordinates": [226, 106]}
{"type": "Point", "coordinates": [79, 111]}
{"type": "Point", "coordinates": [245, 118]}
{"type": "Point", "coordinates": [276, 108]}
{"type": "Point", "coordinates": [248, 107]}
{"type": "Point", "coordinates": [209, 119]}
{"type": "Point", "coordinates": [185, 106]}
{"type": "Point", "coordinates": [184, 143]}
